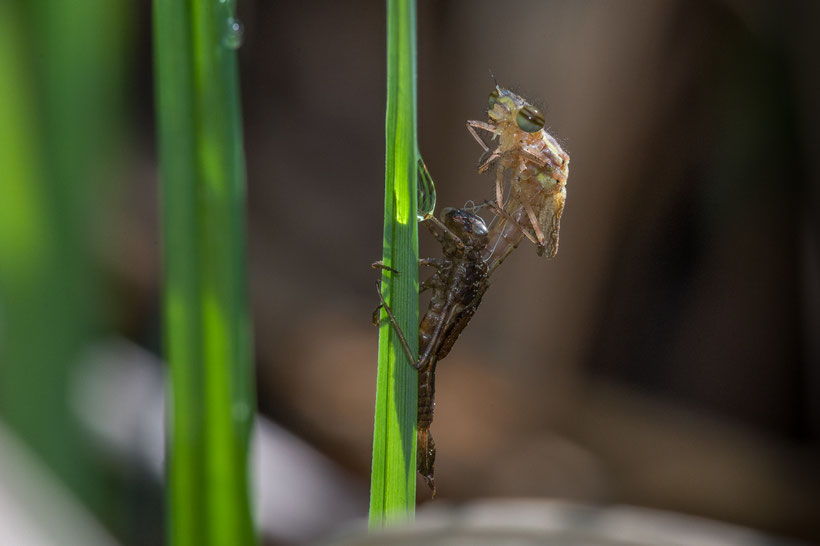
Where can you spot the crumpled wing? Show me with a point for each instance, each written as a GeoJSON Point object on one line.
{"type": "Point", "coordinates": [549, 219]}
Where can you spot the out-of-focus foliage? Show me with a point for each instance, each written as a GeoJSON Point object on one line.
{"type": "Point", "coordinates": [61, 66]}
{"type": "Point", "coordinates": [206, 324]}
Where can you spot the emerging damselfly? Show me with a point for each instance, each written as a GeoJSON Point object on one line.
{"type": "Point", "coordinates": [534, 168]}
{"type": "Point", "coordinates": [532, 164]}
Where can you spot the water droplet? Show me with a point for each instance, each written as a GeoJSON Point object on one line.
{"type": "Point", "coordinates": [426, 189]}
{"type": "Point", "coordinates": [233, 33]}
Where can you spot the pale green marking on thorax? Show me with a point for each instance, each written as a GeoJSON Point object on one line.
{"type": "Point", "coordinates": [546, 180]}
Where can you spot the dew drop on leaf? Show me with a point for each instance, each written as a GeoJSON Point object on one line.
{"type": "Point", "coordinates": [426, 189]}
{"type": "Point", "coordinates": [233, 33]}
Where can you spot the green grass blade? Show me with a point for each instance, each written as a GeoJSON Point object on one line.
{"type": "Point", "coordinates": [60, 79]}
{"type": "Point", "coordinates": [207, 326]}
{"type": "Point", "coordinates": [393, 475]}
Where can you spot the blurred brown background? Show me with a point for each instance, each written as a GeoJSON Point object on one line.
{"type": "Point", "coordinates": [668, 356]}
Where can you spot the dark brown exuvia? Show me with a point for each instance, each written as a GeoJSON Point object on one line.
{"type": "Point", "coordinates": [458, 284]}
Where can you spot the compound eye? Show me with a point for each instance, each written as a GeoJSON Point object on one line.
{"type": "Point", "coordinates": [529, 119]}
{"type": "Point", "coordinates": [493, 98]}
{"type": "Point", "coordinates": [479, 227]}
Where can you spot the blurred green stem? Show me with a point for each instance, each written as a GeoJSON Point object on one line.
{"type": "Point", "coordinates": [60, 78]}
{"type": "Point", "coordinates": [207, 326]}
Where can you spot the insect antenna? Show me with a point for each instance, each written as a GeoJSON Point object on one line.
{"type": "Point", "coordinates": [495, 81]}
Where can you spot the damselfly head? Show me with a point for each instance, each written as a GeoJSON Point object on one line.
{"type": "Point", "coordinates": [506, 106]}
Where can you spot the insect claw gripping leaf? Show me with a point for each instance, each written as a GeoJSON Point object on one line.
{"type": "Point", "coordinates": [380, 265]}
